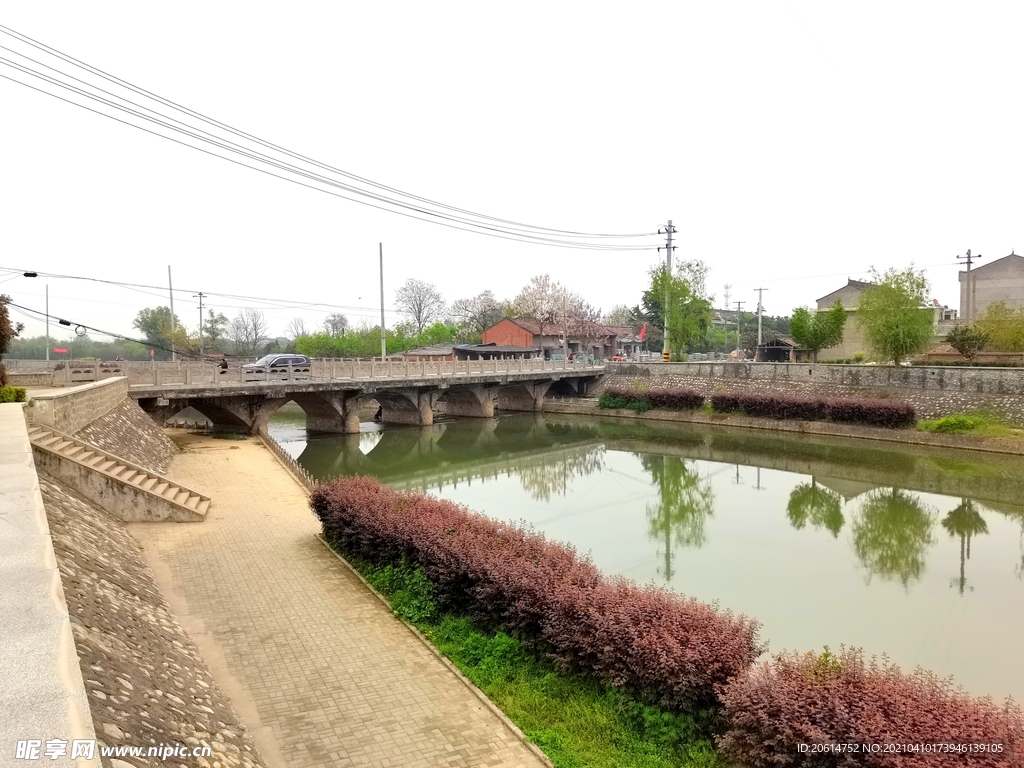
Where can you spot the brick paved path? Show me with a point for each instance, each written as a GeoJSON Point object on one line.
{"type": "Point", "coordinates": [320, 671]}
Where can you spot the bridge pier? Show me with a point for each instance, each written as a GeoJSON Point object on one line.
{"type": "Point", "coordinates": [406, 407]}
{"type": "Point", "coordinates": [475, 402]}
{"type": "Point", "coordinates": [528, 396]}
{"type": "Point", "coordinates": [332, 412]}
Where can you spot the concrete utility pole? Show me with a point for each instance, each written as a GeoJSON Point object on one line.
{"type": "Point", "coordinates": [970, 286]}
{"type": "Point", "coordinates": [383, 340]}
{"type": "Point", "coordinates": [200, 295]}
{"type": "Point", "coordinates": [739, 310]}
{"type": "Point", "coordinates": [668, 231]}
{"type": "Point", "coordinates": [174, 324]}
{"type": "Point", "coordinates": [760, 310]}
{"type": "Point", "coordinates": [47, 322]}
{"type": "Point", "coordinates": [727, 287]}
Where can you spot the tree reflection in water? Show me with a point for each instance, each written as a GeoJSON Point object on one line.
{"type": "Point", "coordinates": [685, 501]}
{"type": "Point", "coordinates": [551, 475]}
{"type": "Point", "coordinates": [810, 503]}
{"type": "Point", "coordinates": [891, 533]}
{"type": "Point", "coordinates": [965, 521]}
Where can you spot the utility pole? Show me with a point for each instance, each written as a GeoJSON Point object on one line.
{"type": "Point", "coordinates": [760, 310]}
{"type": "Point", "coordinates": [727, 287]}
{"type": "Point", "coordinates": [970, 286]}
{"type": "Point", "coordinates": [47, 322]}
{"type": "Point", "coordinates": [174, 324]}
{"type": "Point", "coordinates": [200, 295]}
{"type": "Point", "coordinates": [739, 310]}
{"type": "Point", "coordinates": [383, 340]}
{"type": "Point", "coordinates": [668, 231]}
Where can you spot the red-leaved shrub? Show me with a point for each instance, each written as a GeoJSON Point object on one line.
{"type": "Point", "coordinates": [893, 414]}
{"type": "Point", "coordinates": [809, 699]}
{"type": "Point", "coordinates": [668, 650]}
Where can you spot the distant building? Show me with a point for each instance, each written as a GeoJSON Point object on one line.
{"type": "Point", "coordinates": [999, 280]}
{"type": "Point", "coordinates": [780, 351]}
{"type": "Point", "coordinates": [600, 341]}
{"type": "Point", "coordinates": [437, 352]}
{"type": "Point", "coordinates": [853, 337]}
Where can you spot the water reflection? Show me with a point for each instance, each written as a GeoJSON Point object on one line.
{"type": "Point", "coordinates": [551, 477]}
{"type": "Point", "coordinates": [821, 507]}
{"type": "Point", "coordinates": [685, 501]}
{"type": "Point", "coordinates": [965, 521]}
{"type": "Point", "coordinates": [891, 534]}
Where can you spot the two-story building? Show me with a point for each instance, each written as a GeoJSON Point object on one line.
{"type": "Point", "coordinates": [999, 280]}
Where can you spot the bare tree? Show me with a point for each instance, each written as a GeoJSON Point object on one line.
{"type": "Point", "coordinates": [584, 324]}
{"type": "Point", "coordinates": [248, 330]}
{"type": "Point", "coordinates": [543, 300]}
{"type": "Point", "coordinates": [296, 327]}
{"type": "Point", "coordinates": [421, 302]}
{"type": "Point", "coordinates": [336, 324]}
{"type": "Point", "coordinates": [620, 315]}
{"type": "Point", "coordinates": [479, 313]}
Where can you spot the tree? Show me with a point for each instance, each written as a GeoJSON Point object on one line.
{"type": "Point", "coordinates": [583, 323]}
{"type": "Point", "coordinates": [421, 302]}
{"type": "Point", "coordinates": [8, 332]}
{"type": "Point", "coordinates": [542, 300]}
{"type": "Point", "coordinates": [685, 501]}
{"type": "Point", "coordinates": [157, 326]}
{"type": "Point", "coordinates": [478, 313]}
{"type": "Point", "coordinates": [689, 309]}
{"type": "Point", "coordinates": [966, 522]}
{"type": "Point", "coordinates": [620, 316]}
{"type": "Point", "coordinates": [892, 533]}
{"type": "Point", "coordinates": [336, 324]}
{"type": "Point", "coordinates": [818, 331]}
{"type": "Point", "coordinates": [296, 327]}
{"type": "Point", "coordinates": [810, 503]}
{"type": "Point", "coordinates": [248, 330]}
{"type": "Point", "coordinates": [1004, 326]}
{"type": "Point", "coordinates": [893, 315]}
{"type": "Point", "coordinates": [215, 330]}
{"type": "Point", "coordinates": [967, 340]}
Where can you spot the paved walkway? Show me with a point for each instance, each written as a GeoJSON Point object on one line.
{"type": "Point", "coordinates": [318, 669]}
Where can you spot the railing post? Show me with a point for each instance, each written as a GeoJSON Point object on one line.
{"type": "Point", "coordinates": [390, 373]}
{"type": "Point", "coordinates": [371, 367]}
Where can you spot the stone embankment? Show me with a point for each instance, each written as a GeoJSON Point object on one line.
{"type": "Point", "coordinates": [145, 680]}
{"type": "Point", "coordinates": [126, 431]}
{"type": "Point", "coordinates": [933, 391]}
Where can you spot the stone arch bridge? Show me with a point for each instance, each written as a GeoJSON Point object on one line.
{"type": "Point", "coordinates": [471, 388]}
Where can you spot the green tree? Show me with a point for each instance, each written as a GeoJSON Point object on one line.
{"type": "Point", "coordinates": [818, 331]}
{"type": "Point", "coordinates": [966, 340]}
{"type": "Point", "coordinates": [689, 309]}
{"type": "Point", "coordinates": [891, 534]}
{"type": "Point", "coordinates": [685, 501]}
{"type": "Point", "coordinates": [893, 315]}
{"type": "Point", "coordinates": [1004, 326]}
{"type": "Point", "coordinates": [8, 332]}
{"type": "Point", "coordinates": [215, 331]}
{"type": "Point", "coordinates": [156, 325]}
{"type": "Point", "coordinates": [966, 522]}
{"type": "Point", "coordinates": [810, 503]}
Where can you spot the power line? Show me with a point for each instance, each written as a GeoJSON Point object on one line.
{"type": "Point", "coordinates": [486, 225]}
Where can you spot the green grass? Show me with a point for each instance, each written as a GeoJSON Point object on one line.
{"type": "Point", "coordinates": [577, 723]}
{"type": "Point", "coordinates": [976, 423]}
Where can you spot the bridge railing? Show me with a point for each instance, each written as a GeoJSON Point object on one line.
{"type": "Point", "coordinates": [170, 373]}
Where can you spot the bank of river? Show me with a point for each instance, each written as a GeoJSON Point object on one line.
{"type": "Point", "coordinates": [911, 551]}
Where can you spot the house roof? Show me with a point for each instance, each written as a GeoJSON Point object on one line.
{"type": "Point", "coordinates": [532, 325]}
{"type": "Point", "coordinates": [780, 343]}
{"type": "Point", "coordinates": [497, 348]}
{"type": "Point", "coordinates": [1013, 260]}
{"type": "Point", "coordinates": [434, 351]}
{"type": "Point", "coordinates": [850, 283]}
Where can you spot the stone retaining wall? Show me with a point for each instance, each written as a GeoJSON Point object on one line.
{"type": "Point", "coordinates": [933, 390]}
{"type": "Point", "coordinates": [74, 408]}
{"type": "Point", "coordinates": [146, 681]}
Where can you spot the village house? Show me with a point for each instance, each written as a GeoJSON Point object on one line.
{"type": "Point", "coordinates": [599, 341]}
{"type": "Point", "coordinates": [450, 352]}
{"type": "Point", "coordinates": [999, 280]}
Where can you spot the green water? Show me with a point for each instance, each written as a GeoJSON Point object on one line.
{"type": "Point", "coordinates": [911, 552]}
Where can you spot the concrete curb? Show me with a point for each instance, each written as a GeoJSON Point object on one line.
{"type": "Point", "coordinates": [447, 662]}
{"type": "Point", "coordinates": [1009, 446]}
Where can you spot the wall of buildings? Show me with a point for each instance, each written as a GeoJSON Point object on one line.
{"type": "Point", "coordinates": [1000, 280]}
{"type": "Point", "coordinates": [507, 333]}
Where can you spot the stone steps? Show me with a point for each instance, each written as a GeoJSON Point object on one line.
{"type": "Point", "coordinates": [191, 505]}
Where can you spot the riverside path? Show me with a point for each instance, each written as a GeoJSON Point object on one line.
{"type": "Point", "coordinates": [318, 669]}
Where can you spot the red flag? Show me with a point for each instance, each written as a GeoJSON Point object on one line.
{"type": "Point", "coordinates": [643, 332]}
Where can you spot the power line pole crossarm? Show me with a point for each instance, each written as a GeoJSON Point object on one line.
{"type": "Point", "coordinates": [668, 231]}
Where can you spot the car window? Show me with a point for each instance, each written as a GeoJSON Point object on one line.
{"type": "Point", "coordinates": [279, 362]}
{"type": "Point", "coordinates": [265, 360]}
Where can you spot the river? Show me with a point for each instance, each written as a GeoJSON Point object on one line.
{"type": "Point", "coordinates": [916, 553]}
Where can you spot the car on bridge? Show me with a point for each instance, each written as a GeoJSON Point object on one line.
{"type": "Point", "coordinates": [280, 366]}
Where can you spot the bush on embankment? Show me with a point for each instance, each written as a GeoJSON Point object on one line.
{"type": "Point", "coordinates": [809, 699]}
{"type": "Point", "coordinates": [12, 394]}
{"type": "Point", "coordinates": [664, 649]}
{"type": "Point", "coordinates": [645, 399]}
{"type": "Point", "coordinates": [893, 414]}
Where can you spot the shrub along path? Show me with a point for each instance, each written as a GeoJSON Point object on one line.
{"type": "Point", "coordinates": [318, 668]}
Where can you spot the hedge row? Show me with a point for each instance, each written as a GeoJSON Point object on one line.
{"type": "Point", "coordinates": [667, 650]}
{"type": "Point", "coordinates": [841, 699]}
{"type": "Point", "coordinates": [671, 399]}
{"type": "Point", "coordinates": [877, 413]}
{"type": "Point", "coordinates": [12, 394]}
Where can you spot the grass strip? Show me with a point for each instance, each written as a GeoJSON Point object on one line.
{"type": "Point", "coordinates": [575, 722]}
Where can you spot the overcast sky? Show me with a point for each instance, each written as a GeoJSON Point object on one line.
{"type": "Point", "coordinates": [792, 143]}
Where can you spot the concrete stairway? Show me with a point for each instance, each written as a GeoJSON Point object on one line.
{"type": "Point", "coordinates": [128, 491]}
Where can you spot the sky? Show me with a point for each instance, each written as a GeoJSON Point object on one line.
{"type": "Point", "coordinates": [792, 144]}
